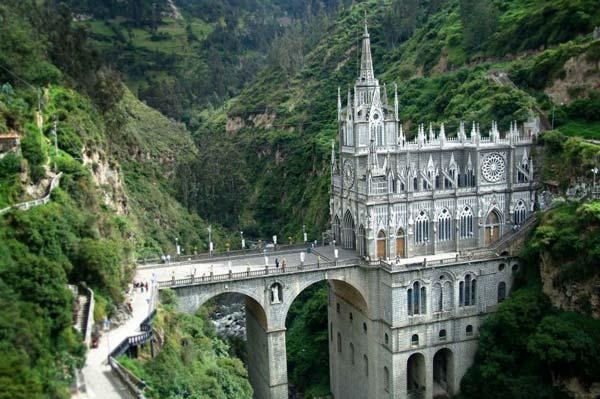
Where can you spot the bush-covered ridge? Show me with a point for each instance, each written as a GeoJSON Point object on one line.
{"type": "Point", "coordinates": [78, 236]}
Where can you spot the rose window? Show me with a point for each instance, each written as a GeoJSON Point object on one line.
{"type": "Point", "coordinates": [493, 167]}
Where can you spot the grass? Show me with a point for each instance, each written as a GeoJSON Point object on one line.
{"type": "Point", "coordinates": [585, 129]}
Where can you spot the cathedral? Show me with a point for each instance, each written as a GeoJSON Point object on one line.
{"type": "Point", "coordinates": [395, 198]}
{"type": "Point", "coordinates": [425, 216]}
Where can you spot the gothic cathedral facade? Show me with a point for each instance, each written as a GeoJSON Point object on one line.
{"type": "Point", "coordinates": [423, 214]}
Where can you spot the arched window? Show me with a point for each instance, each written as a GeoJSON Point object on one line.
{"type": "Point", "coordinates": [377, 134]}
{"type": "Point", "coordinates": [365, 327]}
{"type": "Point", "coordinates": [351, 353]}
{"type": "Point", "coordinates": [438, 298]}
{"type": "Point", "coordinates": [449, 183]}
{"type": "Point", "coordinates": [351, 317]}
{"type": "Point", "coordinates": [448, 296]}
{"type": "Point", "coordinates": [501, 291]}
{"type": "Point", "coordinates": [339, 343]}
{"type": "Point", "coordinates": [442, 335]}
{"type": "Point", "coordinates": [423, 300]}
{"type": "Point", "coordinates": [444, 222]}
{"type": "Point", "coordinates": [520, 213]}
{"type": "Point", "coordinates": [466, 223]}
{"type": "Point", "coordinates": [416, 299]}
{"type": "Point", "coordinates": [469, 330]}
{"type": "Point", "coordinates": [422, 228]}
{"type": "Point", "coordinates": [386, 379]}
{"type": "Point", "coordinates": [337, 307]}
{"type": "Point", "coordinates": [414, 340]}
{"type": "Point", "coordinates": [366, 364]}
{"type": "Point", "coordinates": [467, 291]}
{"type": "Point", "coordinates": [386, 339]}
{"type": "Point", "coordinates": [523, 172]}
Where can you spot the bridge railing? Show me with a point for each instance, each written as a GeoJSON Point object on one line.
{"type": "Point", "coordinates": [393, 266]}
{"type": "Point", "coordinates": [252, 273]}
{"type": "Point", "coordinates": [133, 383]}
{"type": "Point", "coordinates": [466, 257]}
{"type": "Point", "coordinates": [236, 254]}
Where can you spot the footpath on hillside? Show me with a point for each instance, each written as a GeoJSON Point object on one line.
{"type": "Point", "coordinates": [100, 382]}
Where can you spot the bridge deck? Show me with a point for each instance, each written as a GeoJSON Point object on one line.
{"type": "Point", "coordinates": [241, 265]}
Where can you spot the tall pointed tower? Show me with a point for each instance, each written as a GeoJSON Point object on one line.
{"type": "Point", "coordinates": [368, 130]}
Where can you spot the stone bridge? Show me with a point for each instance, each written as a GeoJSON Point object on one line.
{"type": "Point", "coordinates": [384, 341]}
{"type": "Point", "coordinates": [269, 292]}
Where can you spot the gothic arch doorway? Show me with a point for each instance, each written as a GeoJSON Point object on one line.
{"type": "Point", "coordinates": [381, 240]}
{"type": "Point", "coordinates": [492, 227]}
{"type": "Point", "coordinates": [443, 374]}
{"type": "Point", "coordinates": [415, 376]}
{"type": "Point", "coordinates": [400, 249]}
{"type": "Point", "coordinates": [362, 241]}
{"type": "Point", "coordinates": [348, 234]}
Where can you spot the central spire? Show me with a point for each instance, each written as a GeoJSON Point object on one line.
{"type": "Point", "coordinates": [366, 63]}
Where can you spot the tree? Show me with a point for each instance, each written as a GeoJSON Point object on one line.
{"type": "Point", "coordinates": [479, 19]}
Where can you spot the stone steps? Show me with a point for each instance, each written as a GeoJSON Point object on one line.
{"type": "Point", "coordinates": [81, 319]}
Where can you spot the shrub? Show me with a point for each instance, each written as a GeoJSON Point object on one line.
{"type": "Point", "coordinates": [32, 148]}
{"type": "Point", "coordinates": [10, 165]}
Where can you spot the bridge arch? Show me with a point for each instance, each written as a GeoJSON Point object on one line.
{"type": "Point", "coordinates": [350, 291]}
{"type": "Point", "coordinates": [253, 301]}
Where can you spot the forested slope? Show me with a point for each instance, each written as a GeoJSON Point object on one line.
{"type": "Point", "coordinates": [114, 201]}
{"type": "Point", "coordinates": [184, 55]}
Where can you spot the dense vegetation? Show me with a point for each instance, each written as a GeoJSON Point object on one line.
{"type": "Point", "coordinates": [307, 344]}
{"type": "Point", "coordinates": [93, 227]}
{"type": "Point", "coordinates": [184, 55]}
{"type": "Point", "coordinates": [193, 361]}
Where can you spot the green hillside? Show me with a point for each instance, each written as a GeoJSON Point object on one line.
{"type": "Point", "coordinates": [113, 203]}
{"type": "Point", "coordinates": [184, 55]}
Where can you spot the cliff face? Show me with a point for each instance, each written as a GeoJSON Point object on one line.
{"type": "Point", "coordinates": [573, 296]}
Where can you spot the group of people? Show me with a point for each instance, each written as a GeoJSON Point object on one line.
{"type": "Point", "coordinates": [165, 258]}
{"type": "Point", "coordinates": [141, 285]}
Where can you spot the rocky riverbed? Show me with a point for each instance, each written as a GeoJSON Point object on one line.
{"type": "Point", "coordinates": [229, 316]}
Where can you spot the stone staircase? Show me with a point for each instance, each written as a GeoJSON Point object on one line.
{"type": "Point", "coordinates": [81, 318]}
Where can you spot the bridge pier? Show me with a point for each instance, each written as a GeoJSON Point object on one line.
{"type": "Point", "coordinates": [267, 362]}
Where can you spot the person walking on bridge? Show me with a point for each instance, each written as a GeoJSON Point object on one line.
{"type": "Point", "coordinates": [277, 263]}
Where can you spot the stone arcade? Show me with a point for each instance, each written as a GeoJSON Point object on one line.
{"type": "Point", "coordinates": [430, 220]}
